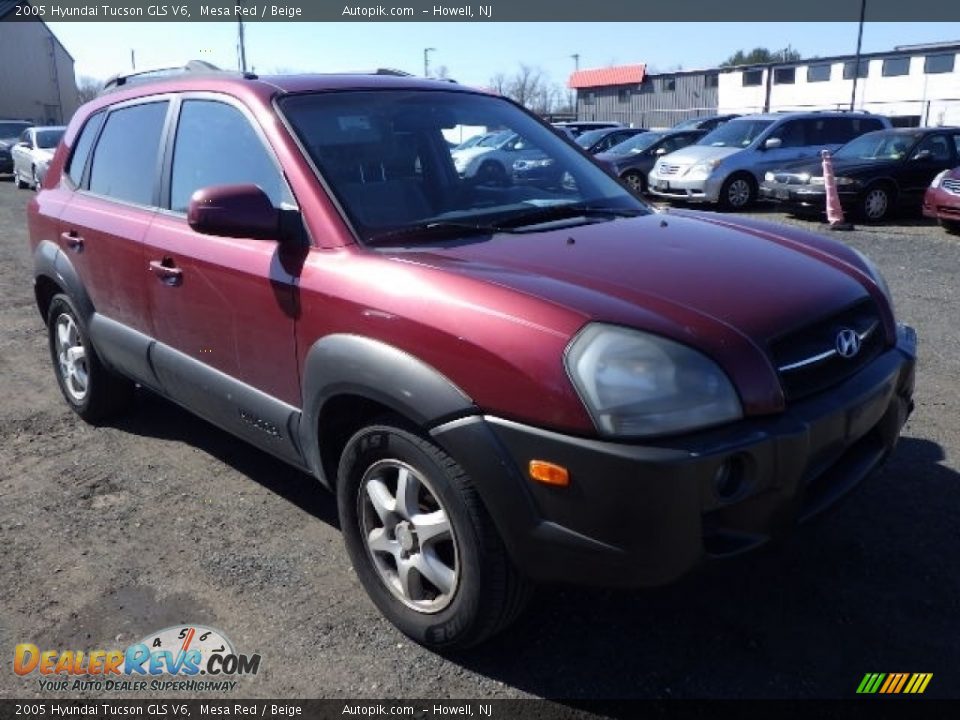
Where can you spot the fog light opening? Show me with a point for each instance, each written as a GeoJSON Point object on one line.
{"type": "Point", "coordinates": [729, 479]}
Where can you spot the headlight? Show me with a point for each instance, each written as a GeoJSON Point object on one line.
{"type": "Point", "coordinates": [874, 272]}
{"type": "Point", "coordinates": [839, 180]}
{"type": "Point", "coordinates": [636, 384]}
{"type": "Point", "coordinates": [704, 168]}
{"type": "Point", "coordinates": [768, 177]}
{"type": "Point", "coordinates": [935, 183]}
{"type": "Point", "coordinates": [528, 164]}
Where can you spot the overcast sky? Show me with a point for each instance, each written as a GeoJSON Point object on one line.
{"type": "Point", "coordinates": [471, 52]}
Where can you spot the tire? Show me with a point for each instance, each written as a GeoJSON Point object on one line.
{"type": "Point", "coordinates": [21, 185]}
{"type": "Point", "coordinates": [951, 226]}
{"type": "Point", "coordinates": [471, 590]}
{"type": "Point", "coordinates": [738, 192]}
{"type": "Point", "coordinates": [876, 203]}
{"type": "Point", "coordinates": [635, 181]}
{"type": "Point", "coordinates": [90, 389]}
{"type": "Point", "coordinates": [492, 173]}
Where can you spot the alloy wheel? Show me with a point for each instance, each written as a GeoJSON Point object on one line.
{"type": "Point", "coordinates": [72, 358]}
{"type": "Point", "coordinates": [409, 536]}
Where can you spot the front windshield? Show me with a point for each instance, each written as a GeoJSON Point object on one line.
{"type": "Point", "coordinates": [637, 144]}
{"type": "Point", "coordinates": [878, 146]}
{"type": "Point", "coordinates": [590, 137]}
{"type": "Point", "coordinates": [687, 124]}
{"type": "Point", "coordinates": [384, 156]}
{"type": "Point", "coordinates": [9, 130]}
{"type": "Point", "coordinates": [48, 139]}
{"type": "Point", "coordinates": [735, 134]}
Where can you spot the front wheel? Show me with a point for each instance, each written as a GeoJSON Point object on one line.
{"type": "Point", "coordinates": [951, 226]}
{"type": "Point", "coordinates": [421, 542]}
{"type": "Point", "coordinates": [738, 192]}
{"type": "Point", "coordinates": [90, 389]}
{"type": "Point", "coordinates": [876, 203]}
{"type": "Point", "coordinates": [635, 181]}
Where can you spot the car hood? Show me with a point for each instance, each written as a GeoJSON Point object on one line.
{"type": "Point", "coordinates": [842, 167]}
{"type": "Point", "coordinates": [700, 279]}
{"type": "Point", "coordinates": [615, 160]}
{"type": "Point", "coordinates": [699, 153]}
{"type": "Point", "coordinates": [470, 153]}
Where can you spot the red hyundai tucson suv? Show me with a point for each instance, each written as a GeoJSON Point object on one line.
{"type": "Point", "coordinates": [504, 382]}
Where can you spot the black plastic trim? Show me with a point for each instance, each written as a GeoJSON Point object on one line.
{"type": "Point", "coordinates": [344, 364]}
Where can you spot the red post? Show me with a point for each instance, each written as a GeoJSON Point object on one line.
{"type": "Point", "coordinates": [834, 210]}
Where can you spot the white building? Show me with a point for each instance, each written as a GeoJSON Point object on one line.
{"type": "Point", "coordinates": [912, 84]}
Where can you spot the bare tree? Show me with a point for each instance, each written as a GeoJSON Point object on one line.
{"type": "Point", "coordinates": [88, 88]}
{"type": "Point", "coordinates": [498, 83]}
{"type": "Point", "coordinates": [530, 87]}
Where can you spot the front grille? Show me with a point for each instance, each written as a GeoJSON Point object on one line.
{"type": "Point", "coordinates": [951, 185]}
{"type": "Point", "coordinates": [807, 360]}
{"type": "Point", "coordinates": [669, 169]}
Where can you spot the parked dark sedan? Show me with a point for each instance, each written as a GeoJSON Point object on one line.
{"type": "Point", "coordinates": [707, 122]}
{"type": "Point", "coordinates": [632, 160]}
{"type": "Point", "coordinates": [602, 139]}
{"type": "Point", "coordinates": [877, 173]}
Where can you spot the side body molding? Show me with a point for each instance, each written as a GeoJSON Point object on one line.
{"type": "Point", "coordinates": [344, 364]}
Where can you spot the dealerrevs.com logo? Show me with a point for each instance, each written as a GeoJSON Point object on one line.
{"type": "Point", "coordinates": [191, 658]}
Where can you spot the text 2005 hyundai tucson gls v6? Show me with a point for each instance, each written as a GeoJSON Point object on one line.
{"type": "Point", "coordinates": [505, 380]}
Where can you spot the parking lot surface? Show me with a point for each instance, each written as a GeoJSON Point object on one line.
{"type": "Point", "coordinates": [110, 533]}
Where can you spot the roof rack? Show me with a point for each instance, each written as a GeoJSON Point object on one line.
{"type": "Point", "coordinates": [193, 66]}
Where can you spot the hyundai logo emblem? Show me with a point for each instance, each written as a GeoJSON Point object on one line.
{"type": "Point", "coordinates": [847, 343]}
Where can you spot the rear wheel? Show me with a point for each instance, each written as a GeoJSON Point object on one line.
{"type": "Point", "coordinates": [90, 389]}
{"type": "Point", "coordinates": [951, 226]}
{"type": "Point", "coordinates": [635, 181]}
{"type": "Point", "coordinates": [738, 192]}
{"type": "Point", "coordinates": [492, 173]}
{"type": "Point", "coordinates": [421, 541]}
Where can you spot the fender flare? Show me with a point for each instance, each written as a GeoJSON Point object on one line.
{"type": "Point", "coordinates": [346, 364]}
{"type": "Point", "coordinates": [50, 261]}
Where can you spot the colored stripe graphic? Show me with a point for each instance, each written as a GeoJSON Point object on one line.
{"type": "Point", "coordinates": [894, 683]}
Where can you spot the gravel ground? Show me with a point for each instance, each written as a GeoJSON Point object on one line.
{"type": "Point", "coordinates": [109, 533]}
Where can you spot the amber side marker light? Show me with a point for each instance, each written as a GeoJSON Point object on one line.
{"type": "Point", "coordinates": [549, 473]}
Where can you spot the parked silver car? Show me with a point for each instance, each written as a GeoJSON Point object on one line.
{"type": "Point", "coordinates": [727, 165]}
{"type": "Point", "coordinates": [32, 154]}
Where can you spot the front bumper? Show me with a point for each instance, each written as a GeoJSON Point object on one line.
{"type": "Point", "coordinates": [678, 187]}
{"type": "Point", "coordinates": [806, 197]}
{"type": "Point", "coordinates": [940, 204]}
{"type": "Point", "coordinates": [636, 515]}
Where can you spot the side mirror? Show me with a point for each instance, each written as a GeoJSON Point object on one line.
{"type": "Point", "coordinates": [242, 211]}
{"type": "Point", "coordinates": [772, 143]}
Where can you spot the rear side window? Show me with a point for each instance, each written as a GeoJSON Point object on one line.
{"type": "Point", "coordinates": [125, 159]}
{"type": "Point", "coordinates": [792, 133]}
{"type": "Point", "coordinates": [81, 148]}
{"type": "Point", "coordinates": [216, 145]}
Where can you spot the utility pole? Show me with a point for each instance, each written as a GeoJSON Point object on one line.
{"type": "Point", "coordinates": [241, 46]}
{"type": "Point", "coordinates": [856, 63]}
{"type": "Point", "coordinates": [426, 60]}
{"type": "Point", "coordinates": [572, 98]}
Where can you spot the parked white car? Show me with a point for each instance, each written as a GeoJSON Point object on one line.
{"type": "Point", "coordinates": [33, 152]}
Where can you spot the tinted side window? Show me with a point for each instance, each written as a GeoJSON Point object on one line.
{"type": "Point", "coordinates": [791, 134]}
{"type": "Point", "coordinates": [216, 145]}
{"type": "Point", "coordinates": [837, 131]}
{"type": "Point", "coordinates": [81, 148]}
{"type": "Point", "coordinates": [125, 159]}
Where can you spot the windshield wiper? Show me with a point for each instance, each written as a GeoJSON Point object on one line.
{"type": "Point", "coordinates": [563, 212]}
{"type": "Point", "coordinates": [434, 230]}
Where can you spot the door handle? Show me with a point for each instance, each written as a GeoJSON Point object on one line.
{"type": "Point", "coordinates": [72, 240]}
{"type": "Point", "coordinates": [165, 270]}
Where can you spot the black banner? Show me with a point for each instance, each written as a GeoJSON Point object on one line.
{"type": "Point", "coordinates": [485, 11]}
{"type": "Point", "coordinates": [345, 709]}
